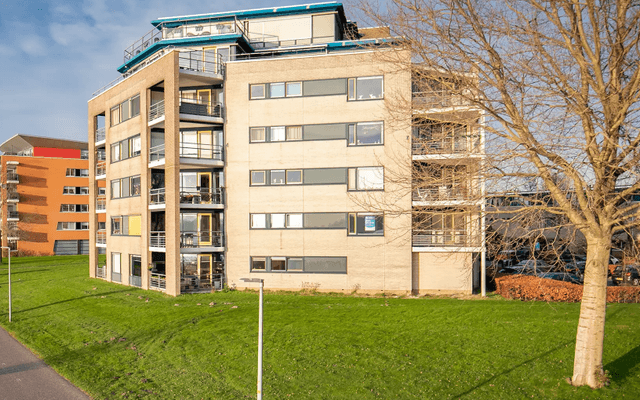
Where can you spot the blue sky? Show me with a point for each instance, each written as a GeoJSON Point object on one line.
{"type": "Point", "coordinates": [55, 54]}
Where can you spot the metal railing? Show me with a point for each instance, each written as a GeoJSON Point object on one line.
{"type": "Point", "coordinates": [444, 193]}
{"type": "Point", "coordinates": [158, 281]}
{"type": "Point", "coordinates": [199, 150]}
{"type": "Point", "coordinates": [158, 239]}
{"type": "Point", "coordinates": [101, 168]}
{"type": "Point", "coordinates": [135, 280]}
{"type": "Point", "coordinates": [12, 214]}
{"type": "Point", "coordinates": [156, 110]}
{"type": "Point", "coordinates": [12, 176]}
{"type": "Point", "coordinates": [151, 37]}
{"type": "Point", "coordinates": [441, 99]}
{"type": "Point", "coordinates": [101, 204]}
{"type": "Point", "coordinates": [157, 196]}
{"type": "Point", "coordinates": [101, 134]}
{"type": "Point", "coordinates": [101, 155]}
{"type": "Point", "coordinates": [273, 41]}
{"type": "Point", "coordinates": [447, 145]}
{"type": "Point", "coordinates": [12, 244]}
{"type": "Point", "coordinates": [201, 107]}
{"type": "Point", "coordinates": [444, 238]}
{"type": "Point", "coordinates": [101, 272]}
{"type": "Point", "coordinates": [156, 153]}
{"type": "Point", "coordinates": [201, 239]}
{"type": "Point", "coordinates": [14, 196]}
{"type": "Point", "coordinates": [192, 283]}
{"type": "Point", "coordinates": [101, 237]}
{"type": "Point", "coordinates": [202, 196]}
{"type": "Point", "coordinates": [204, 29]}
{"type": "Point", "coordinates": [192, 61]}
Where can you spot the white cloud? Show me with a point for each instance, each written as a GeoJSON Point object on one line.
{"type": "Point", "coordinates": [69, 34]}
{"type": "Point", "coordinates": [33, 45]}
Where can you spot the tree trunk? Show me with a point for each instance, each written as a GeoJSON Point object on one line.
{"type": "Point", "coordinates": [587, 366]}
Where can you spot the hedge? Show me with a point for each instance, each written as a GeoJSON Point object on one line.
{"type": "Point", "coordinates": [526, 287]}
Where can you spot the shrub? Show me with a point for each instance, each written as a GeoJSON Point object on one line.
{"type": "Point", "coordinates": [525, 287]}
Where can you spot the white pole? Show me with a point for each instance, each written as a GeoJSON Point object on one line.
{"type": "Point", "coordinates": [260, 343]}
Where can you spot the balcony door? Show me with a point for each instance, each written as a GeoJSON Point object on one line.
{"type": "Point", "coordinates": [204, 270]}
{"type": "Point", "coordinates": [204, 183]}
{"type": "Point", "coordinates": [211, 54]}
{"type": "Point", "coordinates": [204, 228]}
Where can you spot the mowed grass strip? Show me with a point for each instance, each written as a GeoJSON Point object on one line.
{"type": "Point", "coordinates": [119, 342]}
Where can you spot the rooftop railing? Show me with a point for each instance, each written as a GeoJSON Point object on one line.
{"type": "Point", "coordinates": [444, 238]}
{"type": "Point", "coordinates": [201, 239]}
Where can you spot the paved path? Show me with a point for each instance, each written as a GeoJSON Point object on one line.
{"type": "Point", "coordinates": [23, 376]}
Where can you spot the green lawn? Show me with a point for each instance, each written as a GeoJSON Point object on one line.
{"type": "Point", "coordinates": [111, 342]}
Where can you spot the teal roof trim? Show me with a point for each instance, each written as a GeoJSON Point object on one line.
{"type": "Point", "coordinates": [194, 41]}
{"type": "Point", "coordinates": [259, 13]}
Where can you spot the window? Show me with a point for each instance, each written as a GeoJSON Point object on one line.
{"type": "Point", "coordinates": [325, 220]}
{"type": "Point", "coordinates": [277, 221]}
{"type": "Point", "coordinates": [324, 132]}
{"type": "Point", "coordinates": [126, 149]}
{"type": "Point", "coordinates": [258, 221]}
{"type": "Point", "coordinates": [258, 177]}
{"type": "Point", "coordinates": [366, 178]}
{"type": "Point", "coordinates": [294, 264]}
{"type": "Point", "coordinates": [281, 264]}
{"type": "Point", "coordinates": [258, 263]}
{"type": "Point", "coordinates": [294, 176]}
{"type": "Point", "coordinates": [277, 177]}
{"type": "Point", "coordinates": [125, 187]}
{"type": "Point", "coordinates": [366, 224]}
{"type": "Point", "coordinates": [126, 110]}
{"type": "Point", "coordinates": [294, 133]}
{"type": "Point", "coordinates": [257, 91]}
{"type": "Point", "coordinates": [102, 191]}
{"type": "Point", "coordinates": [82, 190]}
{"type": "Point", "coordinates": [116, 225]}
{"type": "Point", "coordinates": [276, 134]}
{"type": "Point", "coordinates": [126, 225]}
{"type": "Point", "coordinates": [276, 90]}
{"type": "Point", "coordinates": [324, 87]}
{"type": "Point", "coordinates": [75, 172]}
{"type": "Point", "coordinates": [84, 154]}
{"type": "Point", "coordinates": [319, 176]}
{"type": "Point", "coordinates": [81, 208]}
{"type": "Point", "coordinates": [278, 263]}
{"type": "Point", "coordinates": [115, 267]}
{"type": "Point", "coordinates": [365, 88]}
{"type": "Point", "coordinates": [294, 220]}
{"type": "Point", "coordinates": [257, 134]}
{"type": "Point", "coordinates": [73, 226]}
{"type": "Point", "coordinates": [365, 133]}
{"type": "Point", "coordinates": [294, 89]}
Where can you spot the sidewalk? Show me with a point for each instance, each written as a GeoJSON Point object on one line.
{"type": "Point", "coordinates": [23, 376]}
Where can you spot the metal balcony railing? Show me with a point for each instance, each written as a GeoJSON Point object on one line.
{"type": "Point", "coordinates": [12, 214]}
{"type": "Point", "coordinates": [158, 239]}
{"type": "Point", "coordinates": [201, 239]}
{"type": "Point", "coordinates": [12, 244]}
{"type": "Point", "coordinates": [192, 61]}
{"type": "Point", "coordinates": [101, 168]}
{"type": "Point", "coordinates": [201, 151]}
{"type": "Point", "coordinates": [445, 238]}
{"type": "Point", "coordinates": [447, 145]}
{"type": "Point", "coordinates": [13, 196]}
{"type": "Point", "coordinates": [101, 237]}
{"type": "Point", "coordinates": [202, 196]}
{"type": "Point", "coordinates": [156, 153]}
{"type": "Point", "coordinates": [101, 155]}
{"type": "Point", "coordinates": [444, 193]}
{"type": "Point", "coordinates": [156, 110]}
{"type": "Point", "coordinates": [101, 204]}
{"type": "Point", "coordinates": [12, 176]}
{"type": "Point", "coordinates": [201, 107]}
{"type": "Point", "coordinates": [101, 272]}
{"type": "Point", "coordinates": [158, 281]}
{"type": "Point", "coordinates": [441, 99]}
{"type": "Point", "coordinates": [157, 196]}
{"type": "Point", "coordinates": [100, 134]}
{"type": "Point", "coordinates": [204, 281]}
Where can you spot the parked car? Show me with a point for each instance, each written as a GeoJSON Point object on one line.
{"type": "Point", "coordinates": [528, 267]}
{"type": "Point", "coordinates": [575, 268]}
{"type": "Point", "coordinates": [561, 276]}
{"type": "Point", "coordinates": [626, 274]}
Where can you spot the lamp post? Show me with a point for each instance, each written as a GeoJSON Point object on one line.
{"type": "Point", "coordinates": [9, 252]}
{"type": "Point", "coordinates": [261, 281]}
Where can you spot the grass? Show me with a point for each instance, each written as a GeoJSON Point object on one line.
{"type": "Point", "coordinates": [113, 343]}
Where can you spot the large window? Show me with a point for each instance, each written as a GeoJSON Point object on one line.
{"type": "Point", "coordinates": [126, 110]}
{"type": "Point", "coordinates": [366, 88]}
{"type": "Point", "coordinates": [126, 149]}
{"type": "Point", "coordinates": [284, 264]}
{"type": "Point", "coordinates": [275, 90]}
{"type": "Point", "coordinates": [76, 172]}
{"type": "Point", "coordinates": [357, 133]}
{"type": "Point", "coordinates": [366, 178]}
{"type": "Point", "coordinates": [125, 187]}
{"type": "Point", "coordinates": [126, 225]}
{"type": "Point", "coordinates": [356, 223]}
{"type": "Point", "coordinates": [365, 133]}
{"type": "Point", "coordinates": [366, 224]}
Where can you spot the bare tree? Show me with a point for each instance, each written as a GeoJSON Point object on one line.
{"type": "Point", "coordinates": [559, 84]}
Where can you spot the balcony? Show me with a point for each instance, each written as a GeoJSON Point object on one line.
{"type": "Point", "coordinates": [158, 281]}
{"type": "Point", "coordinates": [13, 216]}
{"type": "Point", "coordinates": [12, 177]}
{"type": "Point", "coordinates": [156, 155]}
{"type": "Point", "coordinates": [101, 205]}
{"type": "Point", "coordinates": [101, 238]}
{"type": "Point", "coordinates": [446, 194]}
{"type": "Point", "coordinates": [202, 198]}
{"type": "Point", "coordinates": [201, 154]}
{"type": "Point", "coordinates": [158, 239]}
{"type": "Point", "coordinates": [156, 112]}
{"type": "Point", "coordinates": [101, 170]}
{"type": "Point", "coordinates": [445, 238]}
{"type": "Point", "coordinates": [201, 110]}
{"type": "Point", "coordinates": [202, 239]}
{"type": "Point", "coordinates": [441, 99]}
{"type": "Point", "coordinates": [13, 197]}
{"type": "Point", "coordinates": [157, 197]}
{"type": "Point", "coordinates": [101, 272]}
{"type": "Point", "coordinates": [457, 146]}
{"type": "Point", "coordinates": [192, 62]}
{"type": "Point", "coordinates": [204, 282]}
{"type": "Point", "coordinates": [101, 136]}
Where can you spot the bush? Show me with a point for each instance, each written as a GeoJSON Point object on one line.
{"type": "Point", "coordinates": [524, 287]}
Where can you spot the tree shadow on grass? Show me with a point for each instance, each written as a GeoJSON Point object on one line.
{"type": "Point", "coordinates": [506, 371]}
{"type": "Point", "coordinates": [128, 289]}
{"type": "Point", "coordinates": [621, 368]}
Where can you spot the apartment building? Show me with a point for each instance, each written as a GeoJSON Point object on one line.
{"type": "Point", "coordinates": [45, 195]}
{"type": "Point", "coordinates": [260, 144]}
